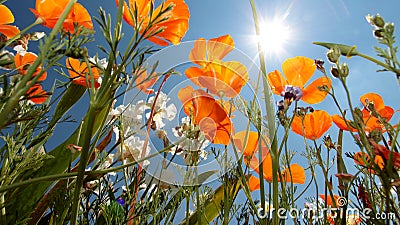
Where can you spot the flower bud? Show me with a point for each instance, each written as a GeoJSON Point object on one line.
{"type": "Point", "coordinates": [389, 29]}
{"type": "Point", "coordinates": [344, 69]}
{"type": "Point", "coordinates": [376, 20]}
{"type": "Point", "coordinates": [333, 54]}
{"type": "Point", "coordinates": [379, 33]}
{"type": "Point", "coordinates": [335, 72]}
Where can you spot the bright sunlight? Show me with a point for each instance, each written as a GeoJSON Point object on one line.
{"type": "Point", "coordinates": [274, 35]}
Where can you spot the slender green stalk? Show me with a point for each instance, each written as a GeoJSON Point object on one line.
{"type": "Point", "coordinates": [87, 134]}
{"type": "Point", "coordinates": [270, 118]}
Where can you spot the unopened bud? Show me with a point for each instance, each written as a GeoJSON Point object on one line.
{"type": "Point", "coordinates": [344, 69]}
{"type": "Point", "coordinates": [379, 33]}
{"type": "Point", "coordinates": [389, 29]}
{"type": "Point", "coordinates": [333, 54]}
{"type": "Point", "coordinates": [335, 72]}
{"type": "Point", "coordinates": [378, 21]}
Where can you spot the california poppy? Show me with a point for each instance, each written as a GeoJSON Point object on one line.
{"type": "Point", "coordinates": [298, 71]}
{"type": "Point", "coordinates": [313, 125]}
{"type": "Point", "coordinates": [362, 158]}
{"type": "Point", "coordinates": [6, 18]}
{"type": "Point", "coordinates": [251, 144]}
{"type": "Point", "coordinates": [36, 94]}
{"type": "Point", "coordinates": [78, 72]}
{"type": "Point", "coordinates": [22, 63]}
{"type": "Point", "coordinates": [370, 120]}
{"type": "Point", "coordinates": [381, 150]}
{"type": "Point", "coordinates": [220, 78]}
{"type": "Point", "coordinates": [207, 113]}
{"type": "Point", "coordinates": [295, 173]}
{"type": "Point", "coordinates": [50, 11]}
{"type": "Point", "coordinates": [214, 49]}
{"type": "Point", "coordinates": [144, 82]}
{"type": "Point", "coordinates": [170, 27]}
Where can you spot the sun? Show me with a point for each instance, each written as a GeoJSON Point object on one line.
{"type": "Point", "coordinates": [274, 36]}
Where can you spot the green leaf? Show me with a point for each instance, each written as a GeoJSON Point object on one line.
{"type": "Point", "coordinates": [345, 50]}
{"type": "Point", "coordinates": [213, 206]}
{"type": "Point", "coordinates": [177, 198]}
{"type": "Point", "coordinates": [62, 157]}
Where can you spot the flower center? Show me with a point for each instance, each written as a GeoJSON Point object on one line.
{"type": "Point", "coordinates": [292, 93]}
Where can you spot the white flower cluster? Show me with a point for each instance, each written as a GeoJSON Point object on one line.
{"type": "Point", "coordinates": [132, 129]}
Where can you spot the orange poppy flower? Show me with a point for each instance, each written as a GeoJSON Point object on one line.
{"type": "Point", "coordinates": [22, 63]}
{"type": "Point", "coordinates": [298, 71]}
{"type": "Point", "coordinates": [313, 125]}
{"type": "Point", "coordinates": [214, 49]}
{"type": "Point", "coordinates": [206, 112]}
{"type": "Point", "coordinates": [381, 150]}
{"type": "Point", "coordinates": [6, 18]}
{"type": "Point", "coordinates": [371, 122]}
{"type": "Point", "coordinates": [294, 173]}
{"type": "Point", "coordinates": [170, 27]}
{"type": "Point", "coordinates": [36, 94]}
{"type": "Point", "coordinates": [143, 82]}
{"type": "Point", "coordinates": [220, 78]}
{"type": "Point", "coordinates": [253, 183]}
{"type": "Point", "coordinates": [251, 144]}
{"type": "Point", "coordinates": [50, 11]}
{"type": "Point", "coordinates": [361, 158]}
{"type": "Point", "coordinates": [78, 72]}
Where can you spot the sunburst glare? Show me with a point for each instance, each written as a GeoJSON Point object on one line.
{"type": "Point", "coordinates": [275, 34]}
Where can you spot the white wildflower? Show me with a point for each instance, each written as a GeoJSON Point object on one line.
{"type": "Point", "coordinates": [20, 49]}
{"type": "Point", "coordinates": [102, 63]}
{"type": "Point", "coordinates": [161, 110]}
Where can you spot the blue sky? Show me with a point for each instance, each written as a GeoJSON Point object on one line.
{"type": "Point", "coordinates": [309, 20]}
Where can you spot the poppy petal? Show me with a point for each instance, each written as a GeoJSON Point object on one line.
{"type": "Point", "coordinates": [295, 174]}
{"type": "Point", "coordinates": [9, 30]}
{"type": "Point", "coordinates": [219, 47]}
{"type": "Point", "coordinates": [298, 70]}
{"type": "Point", "coordinates": [143, 82]}
{"type": "Point", "coordinates": [312, 95]}
{"type": "Point", "coordinates": [277, 82]}
{"type": "Point", "coordinates": [201, 105]}
{"type": "Point", "coordinates": [198, 54]}
{"type": "Point", "coordinates": [373, 98]}
{"type": "Point", "coordinates": [6, 15]}
{"type": "Point", "coordinates": [253, 183]}
{"type": "Point", "coordinates": [313, 125]}
{"type": "Point", "coordinates": [341, 123]}
{"type": "Point", "coordinates": [251, 144]}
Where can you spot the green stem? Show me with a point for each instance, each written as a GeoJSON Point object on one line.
{"type": "Point", "coordinates": [380, 63]}
{"type": "Point", "coordinates": [87, 134]}
{"type": "Point", "coordinates": [270, 118]}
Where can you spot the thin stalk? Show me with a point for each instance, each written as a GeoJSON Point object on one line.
{"type": "Point", "coordinates": [270, 117]}
{"type": "Point", "coordinates": [87, 134]}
